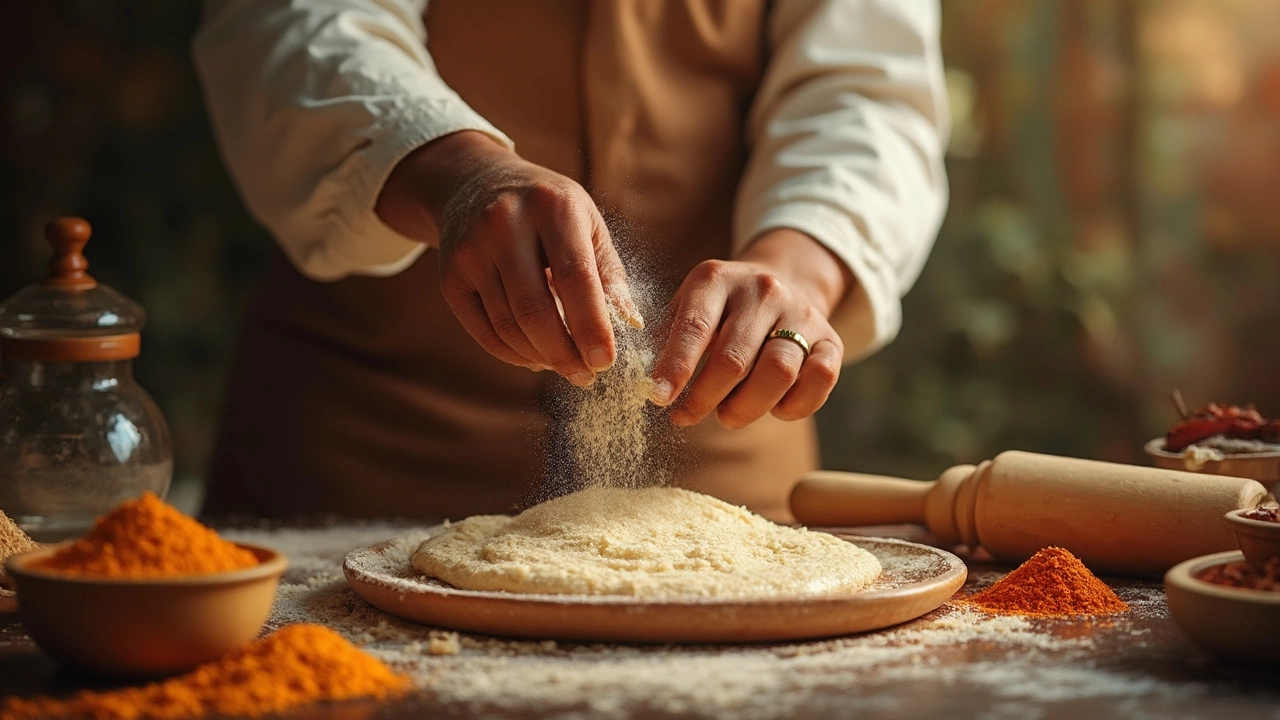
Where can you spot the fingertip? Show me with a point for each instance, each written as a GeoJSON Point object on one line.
{"type": "Point", "coordinates": [599, 359]}
{"type": "Point", "coordinates": [661, 393]}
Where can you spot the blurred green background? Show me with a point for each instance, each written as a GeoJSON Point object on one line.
{"type": "Point", "coordinates": [1114, 229]}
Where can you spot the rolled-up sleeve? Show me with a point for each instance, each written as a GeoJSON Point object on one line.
{"type": "Point", "coordinates": [313, 104]}
{"type": "Point", "coordinates": [847, 136]}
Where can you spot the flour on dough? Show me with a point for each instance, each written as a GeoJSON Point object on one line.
{"type": "Point", "coordinates": [653, 542]}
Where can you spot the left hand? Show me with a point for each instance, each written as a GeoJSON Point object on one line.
{"type": "Point", "coordinates": [725, 310]}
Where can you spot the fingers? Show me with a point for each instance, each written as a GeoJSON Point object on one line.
{"type": "Point", "coordinates": [698, 308]}
{"type": "Point", "coordinates": [534, 310]}
{"type": "Point", "coordinates": [471, 312]}
{"type": "Point", "coordinates": [775, 373]}
{"type": "Point", "coordinates": [817, 378]}
{"type": "Point", "coordinates": [570, 243]}
{"type": "Point", "coordinates": [731, 360]}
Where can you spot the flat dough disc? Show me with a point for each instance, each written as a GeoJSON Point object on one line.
{"type": "Point", "coordinates": [649, 542]}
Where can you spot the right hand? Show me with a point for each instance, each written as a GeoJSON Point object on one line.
{"type": "Point", "coordinates": [508, 232]}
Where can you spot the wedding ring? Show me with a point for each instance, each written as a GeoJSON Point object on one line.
{"type": "Point", "coordinates": [793, 336]}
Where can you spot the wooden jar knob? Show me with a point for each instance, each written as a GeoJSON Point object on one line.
{"type": "Point", "coordinates": [68, 267]}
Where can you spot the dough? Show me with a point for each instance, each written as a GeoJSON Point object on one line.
{"type": "Point", "coordinates": [651, 542]}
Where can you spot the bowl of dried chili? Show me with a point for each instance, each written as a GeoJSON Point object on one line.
{"type": "Point", "coordinates": [148, 592]}
{"type": "Point", "coordinates": [1221, 439]}
{"type": "Point", "coordinates": [1228, 606]}
{"type": "Point", "coordinates": [1257, 532]}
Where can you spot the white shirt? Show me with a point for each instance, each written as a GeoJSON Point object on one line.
{"type": "Point", "coordinates": [315, 101]}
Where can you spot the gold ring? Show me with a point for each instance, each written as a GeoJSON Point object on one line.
{"type": "Point", "coordinates": [793, 336]}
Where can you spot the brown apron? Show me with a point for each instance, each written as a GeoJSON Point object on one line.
{"type": "Point", "coordinates": [365, 397]}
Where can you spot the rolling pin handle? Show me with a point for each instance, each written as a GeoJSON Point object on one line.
{"type": "Point", "coordinates": [829, 498]}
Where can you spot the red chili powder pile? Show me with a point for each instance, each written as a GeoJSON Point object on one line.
{"type": "Point", "coordinates": [1053, 583]}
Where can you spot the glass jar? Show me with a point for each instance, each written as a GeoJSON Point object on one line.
{"type": "Point", "coordinates": [77, 434]}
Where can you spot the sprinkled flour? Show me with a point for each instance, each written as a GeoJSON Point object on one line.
{"type": "Point", "coordinates": [1015, 664]}
{"type": "Point", "coordinates": [609, 425]}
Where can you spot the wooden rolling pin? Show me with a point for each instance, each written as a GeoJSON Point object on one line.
{"type": "Point", "coordinates": [1116, 518]}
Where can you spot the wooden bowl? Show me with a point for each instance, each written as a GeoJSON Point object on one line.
{"type": "Point", "coordinates": [144, 627]}
{"type": "Point", "coordinates": [1235, 624]}
{"type": "Point", "coordinates": [1263, 467]}
{"type": "Point", "coordinates": [1259, 540]}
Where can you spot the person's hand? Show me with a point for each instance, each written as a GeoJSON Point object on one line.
{"type": "Point", "coordinates": [509, 231]}
{"type": "Point", "coordinates": [721, 318]}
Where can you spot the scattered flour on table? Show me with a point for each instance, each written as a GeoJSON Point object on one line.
{"type": "Point", "coordinates": [1018, 663]}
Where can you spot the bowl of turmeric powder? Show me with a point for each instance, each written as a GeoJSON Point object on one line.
{"type": "Point", "coordinates": [148, 592]}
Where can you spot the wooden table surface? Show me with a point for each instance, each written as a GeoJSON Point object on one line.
{"type": "Point", "coordinates": [1137, 665]}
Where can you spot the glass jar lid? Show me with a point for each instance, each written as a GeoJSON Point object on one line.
{"type": "Point", "coordinates": [68, 316]}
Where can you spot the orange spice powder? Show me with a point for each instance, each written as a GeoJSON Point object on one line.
{"type": "Point", "coordinates": [296, 665]}
{"type": "Point", "coordinates": [145, 538]}
{"type": "Point", "coordinates": [1053, 583]}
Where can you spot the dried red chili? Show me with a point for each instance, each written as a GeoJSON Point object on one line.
{"type": "Point", "coordinates": [1245, 575]}
{"type": "Point", "coordinates": [1233, 421]}
{"type": "Point", "coordinates": [1265, 514]}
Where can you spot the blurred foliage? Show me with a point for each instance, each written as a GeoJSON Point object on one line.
{"type": "Point", "coordinates": [1112, 231]}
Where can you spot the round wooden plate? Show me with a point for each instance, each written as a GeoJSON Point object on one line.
{"type": "Point", "coordinates": [915, 580]}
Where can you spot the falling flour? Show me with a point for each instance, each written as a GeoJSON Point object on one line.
{"type": "Point", "coordinates": [608, 426]}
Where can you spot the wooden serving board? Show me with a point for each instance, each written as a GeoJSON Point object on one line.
{"type": "Point", "coordinates": [916, 579]}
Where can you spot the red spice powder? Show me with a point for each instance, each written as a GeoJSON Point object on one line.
{"type": "Point", "coordinates": [1053, 583]}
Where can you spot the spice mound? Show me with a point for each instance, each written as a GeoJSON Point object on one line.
{"type": "Point", "coordinates": [1245, 575]}
{"type": "Point", "coordinates": [1053, 583]}
{"type": "Point", "coordinates": [146, 538]}
{"type": "Point", "coordinates": [296, 665]}
{"type": "Point", "coordinates": [12, 539]}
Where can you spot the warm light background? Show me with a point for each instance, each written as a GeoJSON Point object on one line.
{"type": "Point", "coordinates": [1114, 229]}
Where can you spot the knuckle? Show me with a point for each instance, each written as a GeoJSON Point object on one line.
{"type": "Point", "coordinates": [575, 273]}
{"type": "Point", "coordinates": [677, 369]}
{"type": "Point", "coordinates": [554, 196]}
{"type": "Point", "coordinates": [529, 314]}
{"type": "Point", "coordinates": [779, 367]}
{"type": "Point", "coordinates": [502, 213]}
{"type": "Point", "coordinates": [769, 286]}
{"type": "Point", "coordinates": [733, 362]}
{"type": "Point", "coordinates": [711, 269]}
{"type": "Point", "coordinates": [507, 327]}
{"type": "Point", "coordinates": [825, 371]}
{"type": "Point", "coordinates": [693, 326]}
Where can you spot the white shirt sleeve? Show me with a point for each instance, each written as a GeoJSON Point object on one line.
{"type": "Point", "coordinates": [313, 104]}
{"type": "Point", "coordinates": [847, 136]}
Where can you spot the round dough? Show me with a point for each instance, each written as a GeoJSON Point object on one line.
{"type": "Point", "coordinates": [652, 542]}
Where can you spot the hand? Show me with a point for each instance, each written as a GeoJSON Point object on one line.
{"type": "Point", "coordinates": [509, 231]}
{"type": "Point", "coordinates": [724, 311]}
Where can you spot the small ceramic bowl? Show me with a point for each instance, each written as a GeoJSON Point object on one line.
{"type": "Point", "coordinates": [145, 627]}
{"type": "Point", "coordinates": [1259, 540]}
{"type": "Point", "coordinates": [1263, 467]}
{"type": "Point", "coordinates": [1235, 624]}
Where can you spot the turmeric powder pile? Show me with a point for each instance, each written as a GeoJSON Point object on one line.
{"type": "Point", "coordinates": [1053, 583]}
{"type": "Point", "coordinates": [296, 665]}
{"type": "Point", "coordinates": [147, 538]}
